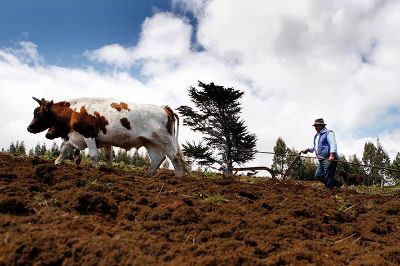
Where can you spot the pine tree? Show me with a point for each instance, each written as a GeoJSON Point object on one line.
{"type": "Point", "coordinates": [217, 118]}
{"type": "Point", "coordinates": [12, 149]}
{"type": "Point", "coordinates": [396, 166]}
{"type": "Point", "coordinates": [279, 160]}
{"type": "Point", "coordinates": [55, 150]}
{"type": "Point", "coordinates": [140, 160]}
{"type": "Point", "coordinates": [303, 169]}
{"type": "Point", "coordinates": [369, 159]}
{"type": "Point", "coordinates": [17, 149]}
{"type": "Point", "coordinates": [382, 160]}
{"type": "Point", "coordinates": [165, 164]}
{"type": "Point", "coordinates": [43, 149]}
{"type": "Point", "coordinates": [102, 155]}
{"type": "Point", "coordinates": [199, 153]}
{"type": "Point", "coordinates": [355, 166]}
{"type": "Point", "coordinates": [20, 148]}
{"type": "Point", "coordinates": [38, 149]}
{"type": "Point", "coordinates": [377, 157]}
{"type": "Point", "coordinates": [122, 157]}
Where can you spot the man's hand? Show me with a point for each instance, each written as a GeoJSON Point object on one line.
{"type": "Point", "coordinates": [331, 157]}
{"type": "Point", "coordinates": [305, 151]}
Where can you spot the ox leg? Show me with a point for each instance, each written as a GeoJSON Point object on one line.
{"type": "Point", "coordinates": [176, 157]}
{"type": "Point", "coordinates": [93, 151]}
{"type": "Point", "coordinates": [166, 143]}
{"type": "Point", "coordinates": [77, 157]}
{"type": "Point", "coordinates": [108, 152]}
{"type": "Point", "coordinates": [66, 149]}
{"type": "Point", "coordinates": [157, 156]}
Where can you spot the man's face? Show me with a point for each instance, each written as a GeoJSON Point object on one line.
{"type": "Point", "coordinates": [318, 128]}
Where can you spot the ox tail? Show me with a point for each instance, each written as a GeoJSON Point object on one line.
{"type": "Point", "coordinates": [172, 129]}
{"type": "Point", "coordinates": [177, 130]}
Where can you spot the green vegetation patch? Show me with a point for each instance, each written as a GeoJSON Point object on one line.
{"type": "Point", "coordinates": [95, 184]}
{"type": "Point", "coordinates": [377, 190]}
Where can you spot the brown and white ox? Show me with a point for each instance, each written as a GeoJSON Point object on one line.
{"type": "Point", "coordinates": [95, 122]}
{"type": "Point", "coordinates": [53, 133]}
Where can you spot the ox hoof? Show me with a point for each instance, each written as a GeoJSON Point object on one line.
{"type": "Point", "coordinates": [78, 160]}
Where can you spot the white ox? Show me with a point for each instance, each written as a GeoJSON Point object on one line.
{"type": "Point", "coordinates": [94, 122]}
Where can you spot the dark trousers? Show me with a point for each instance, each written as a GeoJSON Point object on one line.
{"type": "Point", "coordinates": [326, 173]}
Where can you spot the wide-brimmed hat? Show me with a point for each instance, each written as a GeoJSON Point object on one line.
{"type": "Point", "coordinates": [319, 121]}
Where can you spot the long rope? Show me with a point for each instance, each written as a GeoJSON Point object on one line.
{"type": "Point", "coordinates": [321, 158]}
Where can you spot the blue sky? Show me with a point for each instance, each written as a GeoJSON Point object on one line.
{"type": "Point", "coordinates": [295, 60]}
{"type": "Point", "coordinates": [64, 29]}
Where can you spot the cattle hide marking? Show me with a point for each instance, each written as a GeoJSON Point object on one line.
{"type": "Point", "coordinates": [102, 122]}
{"type": "Point", "coordinates": [62, 114]}
{"type": "Point", "coordinates": [86, 124]}
{"type": "Point", "coordinates": [120, 106]}
{"type": "Point", "coordinates": [125, 123]}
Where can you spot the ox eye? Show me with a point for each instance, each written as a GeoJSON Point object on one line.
{"type": "Point", "coordinates": [36, 113]}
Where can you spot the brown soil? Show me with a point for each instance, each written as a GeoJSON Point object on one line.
{"type": "Point", "coordinates": [71, 215]}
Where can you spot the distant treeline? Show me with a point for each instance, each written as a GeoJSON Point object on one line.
{"type": "Point", "coordinates": [121, 156]}
{"type": "Point", "coordinates": [373, 155]}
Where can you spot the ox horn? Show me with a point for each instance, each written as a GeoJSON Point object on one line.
{"type": "Point", "coordinates": [42, 101]}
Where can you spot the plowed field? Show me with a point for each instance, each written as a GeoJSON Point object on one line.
{"type": "Point", "coordinates": [79, 215]}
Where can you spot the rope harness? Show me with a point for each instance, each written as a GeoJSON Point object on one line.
{"type": "Point", "coordinates": [321, 158]}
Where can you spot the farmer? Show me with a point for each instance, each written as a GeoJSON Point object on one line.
{"type": "Point", "coordinates": [326, 150]}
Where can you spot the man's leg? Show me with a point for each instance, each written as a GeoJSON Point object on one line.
{"type": "Point", "coordinates": [330, 181]}
{"type": "Point", "coordinates": [321, 170]}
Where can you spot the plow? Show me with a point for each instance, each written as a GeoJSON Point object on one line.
{"type": "Point", "coordinates": [274, 173]}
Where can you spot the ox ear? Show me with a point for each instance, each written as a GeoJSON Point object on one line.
{"type": "Point", "coordinates": [48, 104]}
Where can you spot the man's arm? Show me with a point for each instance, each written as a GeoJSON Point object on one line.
{"type": "Point", "coordinates": [332, 144]}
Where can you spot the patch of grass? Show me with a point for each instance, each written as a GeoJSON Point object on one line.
{"type": "Point", "coordinates": [91, 183]}
{"type": "Point", "coordinates": [95, 185]}
{"type": "Point", "coordinates": [377, 190]}
{"type": "Point", "coordinates": [215, 198]}
{"type": "Point", "coordinates": [40, 201]}
{"type": "Point", "coordinates": [342, 203]}
{"type": "Point", "coordinates": [142, 170]}
{"type": "Point", "coordinates": [211, 175]}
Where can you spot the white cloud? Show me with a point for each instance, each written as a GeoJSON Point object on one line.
{"type": "Point", "coordinates": [165, 40]}
{"type": "Point", "coordinates": [196, 7]}
{"type": "Point", "coordinates": [295, 60]}
{"type": "Point", "coordinates": [26, 52]}
{"type": "Point", "coordinates": [113, 54]}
